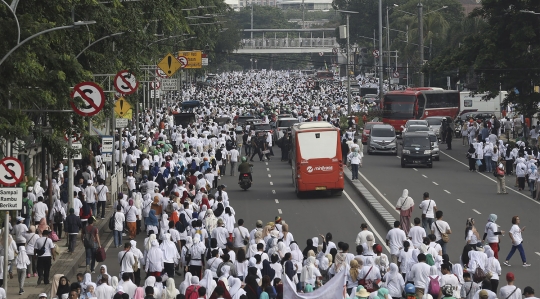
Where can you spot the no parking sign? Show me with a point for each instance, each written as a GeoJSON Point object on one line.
{"type": "Point", "coordinates": [92, 96]}
{"type": "Point", "coordinates": [125, 82]}
{"type": "Point", "coordinates": [11, 171]}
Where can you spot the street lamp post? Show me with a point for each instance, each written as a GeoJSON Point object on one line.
{"type": "Point", "coordinates": [97, 41]}
{"type": "Point", "coordinates": [421, 40]}
{"type": "Point", "coordinates": [381, 85]}
{"type": "Point", "coordinates": [348, 13]}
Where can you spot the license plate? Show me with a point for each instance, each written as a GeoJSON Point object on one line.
{"type": "Point", "coordinates": [320, 188]}
{"type": "Point", "coordinates": [417, 162]}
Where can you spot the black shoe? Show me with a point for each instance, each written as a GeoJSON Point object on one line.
{"type": "Point", "coordinates": [39, 280]}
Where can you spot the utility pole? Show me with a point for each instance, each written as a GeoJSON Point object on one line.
{"type": "Point", "coordinates": [389, 71]}
{"type": "Point", "coordinates": [421, 41]}
{"type": "Point", "coordinates": [381, 85]}
{"type": "Point", "coordinates": [252, 41]}
{"type": "Point", "coordinates": [303, 17]}
{"type": "Point", "coordinates": [347, 70]}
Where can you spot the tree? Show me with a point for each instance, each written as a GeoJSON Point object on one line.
{"type": "Point", "coordinates": [503, 54]}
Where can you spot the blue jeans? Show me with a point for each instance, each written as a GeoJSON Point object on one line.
{"type": "Point", "coordinates": [487, 160]}
{"type": "Point", "coordinates": [117, 238]}
{"type": "Point", "coordinates": [426, 224]}
{"type": "Point", "coordinates": [94, 209]}
{"type": "Point", "coordinates": [443, 246]}
{"type": "Point", "coordinates": [531, 186]}
{"type": "Point", "coordinates": [521, 252]}
{"type": "Point", "coordinates": [354, 171]}
{"type": "Point", "coordinates": [27, 221]}
{"type": "Point", "coordinates": [91, 257]}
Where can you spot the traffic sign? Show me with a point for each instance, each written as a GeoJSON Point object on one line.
{"type": "Point", "coordinates": [335, 51]}
{"type": "Point", "coordinates": [396, 74]}
{"type": "Point", "coordinates": [155, 85]}
{"type": "Point", "coordinates": [169, 64]}
{"type": "Point", "coordinates": [92, 96]}
{"type": "Point", "coordinates": [375, 53]}
{"type": "Point", "coordinates": [121, 107]}
{"type": "Point", "coordinates": [11, 171]}
{"type": "Point", "coordinates": [193, 58]}
{"type": "Point", "coordinates": [75, 136]}
{"type": "Point", "coordinates": [204, 59]}
{"type": "Point", "coordinates": [121, 122]}
{"type": "Point", "coordinates": [321, 53]}
{"type": "Point", "coordinates": [11, 199]}
{"type": "Point", "coordinates": [183, 61]}
{"type": "Point", "coordinates": [160, 73]}
{"type": "Point", "coordinates": [169, 84]}
{"type": "Point", "coordinates": [107, 144]}
{"type": "Point", "coordinates": [125, 82]}
{"type": "Point", "coordinates": [154, 94]}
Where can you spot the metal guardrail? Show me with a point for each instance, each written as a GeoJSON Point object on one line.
{"type": "Point", "coordinates": [117, 180]}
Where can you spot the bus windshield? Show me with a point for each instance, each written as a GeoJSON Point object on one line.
{"type": "Point", "coordinates": [398, 106]}
{"type": "Point", "coordinates": [318, 145]}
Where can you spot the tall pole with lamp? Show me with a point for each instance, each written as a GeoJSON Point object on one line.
{"type": "Point", "coordinates": [347, 14]}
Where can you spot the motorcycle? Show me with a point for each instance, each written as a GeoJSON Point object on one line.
{"type": "Point", "coordinates": [245, 181]}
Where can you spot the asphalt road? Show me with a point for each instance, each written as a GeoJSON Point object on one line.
{"type": "Point", "coordinates": [272, 194]}
{"type": "Point", "coordinates": [461, 194]}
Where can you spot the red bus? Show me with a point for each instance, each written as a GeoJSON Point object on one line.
{"type": "Point", "coordinates": [317, 164]}
{"type": "Point", "coordinates": [418, 103]}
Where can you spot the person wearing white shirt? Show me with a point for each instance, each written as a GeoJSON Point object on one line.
{"type": "Point", "coordinates": [90, 194]}
{"type": "Point", "coordinates": [44, 260]}
{"type": "Point", "coordinates": [119, 219]}
{"type": "Point", "coordinates": [517, 242]}
{"type": "Point", "coordinates": [417, 233]}
{"type": "Point", "coordinates": [77, 205]}
{"type": "Point", "coordinates": [233, 158]}
{"type": "Point", "coordinates": [361, 238]}
{"type": "Point", "coordinates": [102, 191]}
{"type": "Point", "coordinates": [510, 291]}
{"type": "Point", "coordinates": [451, 279]}
{"type": "Point", "coordinates": [395, 239]}
{"type": "Point", "coordinates": [126, 260]}
{"type": "Point", "coordinates": [440, 227]}
{"type": "Point", "coordinates": [221, 234]}
{"type": "Point", "coordinates": [132, 215]}
{"type": "Point", "coordinates": [145, 163]}
{"type": "Point", "coordinates": [128, 285]}
{"type": "Point", "coordinates": [40, 210]}
{"type": "Point", "coordinates": [240, 233]}
{"type": "Point", "coordinates": [428, 207]}
{"type": "Point", "coordinates": [130, 183]}
{"type": "Point", "coordinates": [419, 273]}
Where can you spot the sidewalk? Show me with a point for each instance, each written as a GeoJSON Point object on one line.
{"type": "Point", "coordinates": [66, 264]}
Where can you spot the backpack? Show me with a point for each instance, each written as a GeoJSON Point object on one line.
{"type": "Point", "coordinates": [434, 288]}
{"type": "Point", "coordinates": [112, 220]}
{"type": "Point", "coordinates": [58, 218]}
{"type": "Point", "coordinates": [429, 260]}
{"type": "Point", "coordinates": [25, 208]}
{"type": "Point", "coordinates": [166, 173]}
{"type": "Point", "coordinates": [88, 237]}
{"type": "Point", "coordinates": [192, 292]}
{"type": "Point", "coordinates": [229, 145]}
{"type": "Point", "coordinates": [64, 195]}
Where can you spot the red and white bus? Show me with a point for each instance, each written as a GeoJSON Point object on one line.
{"type": "Point", "coordinates": [317, 164]}
{"type": "Point", "coordinates": [418, 103]}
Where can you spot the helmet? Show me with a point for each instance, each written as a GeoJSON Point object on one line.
{"type": "Point", "coordinates": [410, 289]}
{"type": "Point", "coordinates": [244, 159]}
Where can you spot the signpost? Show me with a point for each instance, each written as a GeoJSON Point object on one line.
{"type": "Point", "coordinates": [375, 53]}
{"type": "Point", "coordinates": [160, 73]}
{"type": "Point", "coordinates": [169, 84]}
{"type": "Point", "coordinates": [321, 53]}
{"type": "Point", "coordinates": [155, 85]}
{"type": "Point", "coordinates": [169, 65]}
{"type": "Point", "coordinates": [92, 96]}
{"type": "Point", "coordinates": [11, 171]}
{"type": "Point", "coordinates": [335, 51]}
{"type": "Point", "coordinates": [396, 74]}
{"type": "Point", "coordinates": [121, 107]}
{"type": "Point", "coordinates": [204, 59]}
{"type": "Point", "coordinates": [193, 58]}
{"type": "Point", "coordinates": [107, 144]}
{"type": "Point", "coordinates": [11, 199]}
{"type": "Point", "coordinates": [121, 122]}
{"type": "Point", "coordinates": [125, 82]}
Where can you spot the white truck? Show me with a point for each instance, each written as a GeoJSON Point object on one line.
{"type": "Point", "coordinates": [474, 103]}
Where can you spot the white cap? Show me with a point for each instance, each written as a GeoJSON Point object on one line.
{"type": "Point", "coordinates": [42, 295]}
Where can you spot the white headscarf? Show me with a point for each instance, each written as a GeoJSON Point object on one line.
{"type": "Point", "coordinates": [114, 282]}
{"type": "Point", "coordinates": [169, 249]}
{"type": "Point", "coordinates": [185, 284]}
{"type": "Point", "coordinates": [170, 290]}
{"type": "Point", "coordinates": [235, 289]}
{"type": "Point", "coordinates": [208, 281]}
{"type": "Point", "coordinates": [405, 202]}
{"type": "Point", "coordinates": [307, 270]}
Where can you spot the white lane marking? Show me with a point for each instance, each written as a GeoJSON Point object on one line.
{"type": "Point", "coordinates": [277, 201]}
{"type": "Point", "coordinates": [279, 211]}
{"type": "Point", "coordinates": [537, 253]}
{"type": "Point", "coordinates": [487, 177]}
{"type": "Point", "coordinates": [435, 183]}
{"type": "Point", "coordinates": [269, 175]}
{"type": "Point", "coordinates": [273, 191]}
{"type": "Point", "coordinates": [106, 248]}
{"type": "Point", "coordinates": [461, 201]}
{"type": "Point", "coordinates": [267, 169]}
{"type": "Point", "coordinates": [383, 241]}
{"type": "Point", "coordinates": [447, 191]}
{"type": "Point", "coordinates": [476, 212]}
{"type": "Point", "coordinates": [266, 163]}
{"type": "Point", "coordinates": [424, 176]}
{"type": "Point", "coordinates": [415, 169]}
{"type": "Point", "coordinates": [379, 192]}
{"type": "Point", "coordinates": [271, 184]}
{"type": "Point", "coordinates": [398, 157]}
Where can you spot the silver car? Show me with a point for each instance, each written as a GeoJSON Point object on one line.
{"type": "Point", "coordinates": [435, 152]}
{"type": "Point", "coordinates": [282, 125]}
{"type": "Point", "coordinates": [382, 139]}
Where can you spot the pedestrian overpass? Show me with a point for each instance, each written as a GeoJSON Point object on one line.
{"type": "Point", "coordinates": [288, 41]}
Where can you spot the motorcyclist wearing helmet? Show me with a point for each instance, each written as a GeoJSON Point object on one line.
{"type": "Point", "coordinates": [244, 167]}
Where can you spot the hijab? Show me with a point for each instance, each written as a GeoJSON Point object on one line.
{"type": "Point", "coordinates": [405, 202]}
{"type": "Point", "coordinates": [114, 282]}
{"type": "Point", "coordinates": [63, 288]}
{"type": "Point", "coordinates": [42, 225]}
{"type": "Point", "coordinates": [382, 293]}
{"type": "Point", "coordinates": [353, 271]}
{"type": "Point", "coordinates": [492, 218]}
{"type": "Point", "coordinates": [457, 270]}
{"type": "Point", "coordinates": [185, 284]}
{"type": "Point", "coordinates": [251, 287]}
{"type": "Point", "coordinates": [226, 293]}
{"type": "Point", "coordinates": [267, 269]}
{"type": "Point", "coordinates": [87, 279]}
{"type": "Point", "coordinates": [100, 275]}
{"type": "Point", "coordinates": [307, 270]}
{"type": "Point", "coordinates": [236, 288]}
{"type": "Point", "coordinates": [208, 281]}
{"type": "Point", "coordinates": [139, 293]}
{"type": "Point", "coordinates": [170, 290]}
{"type": "Point", "coordinates": [152, 219]}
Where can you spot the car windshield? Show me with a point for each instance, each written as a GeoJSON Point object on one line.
{"type": "Point", "coordinates": [369, 126]}
{"type": "Point", "coordinates": [416, 142]}
{"type": "Point", "coordinates": [380, 132]}
{"type": "Point", "coordinates": [416, 122]}
{"type": "Point", "coordinates": [418, 129]}
{"type": "Point", "coordinates": [257, 127]}
{"type": "Point", "coordinates": [287, 123]}
{"type": "Point", "coordinates": [434, 121]}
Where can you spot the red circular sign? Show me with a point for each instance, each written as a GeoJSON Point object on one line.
{"type": "Point", "coordinates": [11, 171]}
{"type": "Point", "coordinates": [92, 95]}
{"type": "Point", "coordinates": [125, 82]}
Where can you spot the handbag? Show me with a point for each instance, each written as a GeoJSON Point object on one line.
{"type": "Point", "coordinates": [368, 284]}
{"type": "Point", "coordinates": [100, 255]}
{"type": "Point", "coordinates": [54, 236]}
{"type": "Point", "coordinates": [500, 172]}
{"type": "Point", "coordinates": [424, 215]}
{"type": "Point", "coordinates": [478, 162]}
{"type": "Point", "coordinates": [444, 236]}
{"type": "Point", "coordinates": [479, 275]}
{"type": "Point", "coordinates": [245, 239]}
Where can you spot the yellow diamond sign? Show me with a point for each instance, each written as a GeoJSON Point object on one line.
{"type": "Point", "coordinates": [121, 107]}
{"type": "Point", "coordinates": [169, 65]}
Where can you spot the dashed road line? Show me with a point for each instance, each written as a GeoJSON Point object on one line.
{"type": "Point", "coordinates": [383, 241]}
{"type": "Point", "coordinates": [537, 253]}
{"type": "Point", "coordinates": [269, 175]}
{"type": "Point", "coordinates": [279, 211]}
{"type": "Point", "coordinates": [266, 163]}
{"type": "Point", "coordinates": [273, 191]}
{"type": "Point", "coordinates": [435, 183]}
{"type": "Point", "coordinates": [476, 211]}
{"type": "Point", "coordinates": [379, 192]}
{"type": "Point", "coordinates": [267, 169]}
{"type": "Point", "coordinates": [447, 191]}
{"type": "Point", "coordinates": [277, 201]}
{"type": "Point", "coordinates": [398, 157]}
{"type": "Point", "coordinates": [271, 184]}
{"type": "Point", "coordinates": [424, 176]}
{"type": "Point", "coordinates": [415, 169]}
{"type": "Point", "coordinates": [461, 201]}
{"type": "Point", "coordinates": [487, 177]}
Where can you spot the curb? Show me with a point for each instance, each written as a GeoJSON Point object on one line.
{"type": "Point", "coordinates": [383, 214]}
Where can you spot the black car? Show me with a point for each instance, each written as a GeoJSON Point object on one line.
{"type": "Point", "coordinates": [416, 149]}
